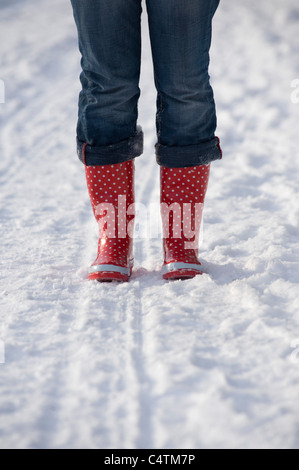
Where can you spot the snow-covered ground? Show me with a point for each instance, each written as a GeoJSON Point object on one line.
{"type": "Point", "coordinates": [204, 363]}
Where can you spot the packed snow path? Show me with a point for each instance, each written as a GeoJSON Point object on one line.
{"type": "Point", "coordinates": [209, 362]}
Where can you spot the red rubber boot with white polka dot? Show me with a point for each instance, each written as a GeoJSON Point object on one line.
{"type": "Point", "coordinates": [111, 191]}
{"type": "Point", "coordinates": [183, 192]}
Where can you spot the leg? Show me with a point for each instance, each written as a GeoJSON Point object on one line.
{"type": "Point", "coordinates": [110, 43]}
{"type": "Point", "coordinates": [107, 135]}
{"type": "Point", "coordinates": [180, 33]}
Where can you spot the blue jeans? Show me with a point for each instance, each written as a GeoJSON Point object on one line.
{"type": "Point", "coordinates": [110, 43]}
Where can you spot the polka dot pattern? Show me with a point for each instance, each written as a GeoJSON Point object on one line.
{"type": "Point", "coordinates": [111, 191]}
{"type": "Point", "coordinates": [183, 191]}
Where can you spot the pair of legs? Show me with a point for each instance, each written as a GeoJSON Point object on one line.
{"type": "Point", "coordinates": [110, 43]}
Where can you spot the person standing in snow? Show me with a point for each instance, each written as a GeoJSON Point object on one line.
{"type": "Point", "coordinates": [109, 139]}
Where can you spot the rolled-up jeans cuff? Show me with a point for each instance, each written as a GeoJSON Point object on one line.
{"type": "Point", "coordinates": [188, 155]}
{"type": "Point", "coordinates": [111, 154]}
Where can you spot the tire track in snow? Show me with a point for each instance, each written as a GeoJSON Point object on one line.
{"type": "Point", "coordinates": [110, 361]}
{"type": "Point", "coordinates": [120, 394]}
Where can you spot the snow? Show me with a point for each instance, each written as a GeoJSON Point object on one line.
{"type": "Point", "coordinates": [204, 363]}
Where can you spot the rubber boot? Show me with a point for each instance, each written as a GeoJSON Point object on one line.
{"type": "Point", "coordinates": [183, 192]}
{"type": "Point", "coordinates": [111, 191]}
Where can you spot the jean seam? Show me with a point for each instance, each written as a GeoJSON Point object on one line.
{"type": "Point", "coordinates": [159, 118]}
{"type": "Point", "coordinates": [88, 100]}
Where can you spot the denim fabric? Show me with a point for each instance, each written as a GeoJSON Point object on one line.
{"type": "Point", "coordinates": [110, 44]}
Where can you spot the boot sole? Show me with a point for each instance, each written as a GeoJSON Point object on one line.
{"type": "Point", "coordinates": [176, 271]}
{"type": "Point", "coordinates": [109, 273]}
